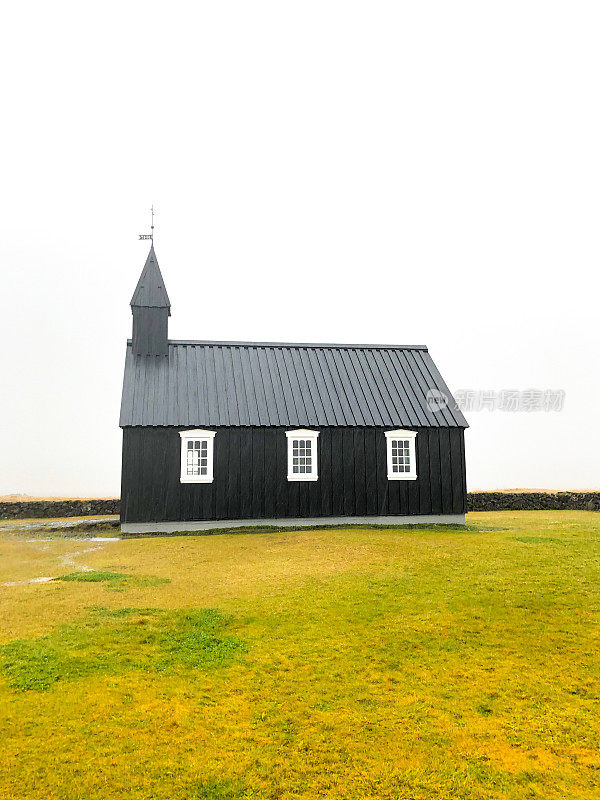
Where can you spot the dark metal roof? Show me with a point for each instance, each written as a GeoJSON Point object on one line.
{"type": "Point", "coordinates": [150, 291]}
{"type": "Point", "coordinates": [209, 384]}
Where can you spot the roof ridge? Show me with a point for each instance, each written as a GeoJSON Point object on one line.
{"type": "Point", "coordinates": [349, 346]}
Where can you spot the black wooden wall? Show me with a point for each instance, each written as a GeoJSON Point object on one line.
{"type": "Point", "coordinates": [250, 476]}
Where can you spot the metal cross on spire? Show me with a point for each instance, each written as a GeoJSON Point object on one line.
{"type": "Point", "coordinates": [151, 234]}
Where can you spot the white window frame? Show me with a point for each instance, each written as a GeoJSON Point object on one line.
{"type": "Point", "coordinates": [411, 436]}
{"type": "Point", "coordinates": [313, 436]}
{"type": "Point", "coordinates": [209, 438]}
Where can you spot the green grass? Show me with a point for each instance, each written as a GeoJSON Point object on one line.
{"type": "Point", "coordinates": [114, 580]}
{"type": "Point", "coordinates": [401, 664]}
{"type": "Point", "coordinates": [111, 642]}
{"type": "Point", "coordinates": [93, 576]}
{"type": "Point", "coordinates": [290, 528]}
{"type": "Point", "coordinates": [215, 789]}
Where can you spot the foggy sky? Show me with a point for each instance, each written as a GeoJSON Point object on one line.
{"type": "Point", "coordinates": [372, 172]}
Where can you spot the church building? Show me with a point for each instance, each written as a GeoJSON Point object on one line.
{"type": "Point", "coordinates": [228, 434]}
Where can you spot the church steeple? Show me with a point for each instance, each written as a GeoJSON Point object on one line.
{"type": "Point", "coordinates": [151, 310]}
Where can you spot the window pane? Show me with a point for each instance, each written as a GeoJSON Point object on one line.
{"type": "Point", "coordinates": [399, 456]}
{"type": "Point", "coordinates": [300, 460]}
{"type": "Point", "coordinates": [196, 458]}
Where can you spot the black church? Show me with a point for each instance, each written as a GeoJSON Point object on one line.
{"type": "Point", "coordinates": [223, 434]}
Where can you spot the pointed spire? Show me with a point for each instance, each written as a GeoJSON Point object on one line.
{"type": "Point", "coordinates": [150, 291]}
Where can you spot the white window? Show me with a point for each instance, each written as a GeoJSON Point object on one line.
{"type": "Point", "coordinates": [197, 456]}
{"type": "Point", "coordinates": [401, 456]}
{"type": "Point", "coordinates": [302, 455]}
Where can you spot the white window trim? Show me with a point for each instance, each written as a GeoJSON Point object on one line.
{"type": "Point", "coordinates": [402, 476]}
{"type": "Point", "coordinates": [301, 433]}
{"type": "Point", "coordinates": [186, 436]}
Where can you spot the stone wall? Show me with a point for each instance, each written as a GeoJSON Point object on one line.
{"type": "Point", "coordinates": [36, 509]}
{"type": "Point", "coordinates": [477, 501]}
{"type": "Point", "coordinates": [533, 501]}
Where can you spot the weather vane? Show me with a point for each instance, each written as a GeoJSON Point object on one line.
{"type": "Point", "coordinates": [151, 234]}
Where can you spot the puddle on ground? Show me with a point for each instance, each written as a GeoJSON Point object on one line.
{"type": "Point", "coordinates": [16, 525]}
{"type": "Point", "coordinates": [31, 580]}
{"type": "Point", "coordinates": [103, 539]}
{"type": "Point", "coordinates": [66, 560]}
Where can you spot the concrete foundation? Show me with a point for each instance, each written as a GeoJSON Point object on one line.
{"type": "Point", "coordinates": [300, 522]}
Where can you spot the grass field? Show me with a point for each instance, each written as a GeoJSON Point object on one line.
{"type": "Point", "coordinates": [308, 664]}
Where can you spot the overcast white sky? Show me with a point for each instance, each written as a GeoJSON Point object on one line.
{"type": "Point", "coordinates": [391, 172]}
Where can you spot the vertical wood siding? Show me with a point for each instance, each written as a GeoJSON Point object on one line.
{"type": "Point", "coordinates": [250, 476]}
{"type": "Point", "coordinates": [150, 331]}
